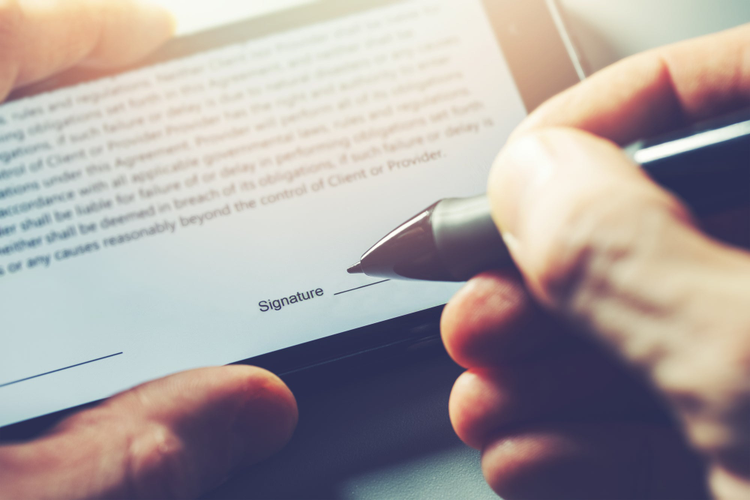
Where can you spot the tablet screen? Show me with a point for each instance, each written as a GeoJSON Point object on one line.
{"type": "Point", "coordinates": [204, 210]}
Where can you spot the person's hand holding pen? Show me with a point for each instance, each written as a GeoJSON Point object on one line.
{"type": "Point", "coordinates": [174, 438]}
{"type": "Point", "coordinates": [618, 364]}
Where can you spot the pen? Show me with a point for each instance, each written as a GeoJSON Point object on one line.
{"type": "Point", "coordinates": [707, 166]}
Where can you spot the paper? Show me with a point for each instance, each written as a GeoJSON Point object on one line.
{"type": "Point", "coordinates": [154, 220]}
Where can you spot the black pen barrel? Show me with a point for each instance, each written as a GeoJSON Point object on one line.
{"type": "Point", "coordinates": [707, 166]}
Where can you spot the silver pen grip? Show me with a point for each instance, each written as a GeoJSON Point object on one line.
{"type": "Point", "coordinates": [467, 238]}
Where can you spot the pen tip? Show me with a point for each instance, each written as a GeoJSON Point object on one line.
{"type": "Point", "coordinates": [356, 269]}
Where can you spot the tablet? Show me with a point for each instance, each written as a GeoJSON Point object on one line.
{"type": "Point", "coordinates": [202, 208]}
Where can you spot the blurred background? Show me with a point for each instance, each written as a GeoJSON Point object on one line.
{"type": "Point", "coordinates": [197, 15]}
{"type": "Point", "coordinates": [387, 435]}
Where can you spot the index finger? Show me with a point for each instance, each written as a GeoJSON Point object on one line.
{"type": "Point", "coordinates": [41, 38]}
{"type": "Point", "coordinates": [656, 91]}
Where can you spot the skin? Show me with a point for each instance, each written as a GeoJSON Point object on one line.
{"type": "Point", "coordinates": [174, 438]}
{"type": "Point", "coordinates": [615, 363]}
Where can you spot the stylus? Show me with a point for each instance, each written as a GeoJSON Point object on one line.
{"type": "Point", "coordinates": [707, 166]}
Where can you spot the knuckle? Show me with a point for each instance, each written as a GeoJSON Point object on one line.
{"type": "Point", "coordinates": [582, 242]}
{"type": "Point", "coordinates": [604, 245]}
{"type": "Point", "coordinates": [156, 466]}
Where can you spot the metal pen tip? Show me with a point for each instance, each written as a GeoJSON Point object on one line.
{"type": "Point", "coordinates": [356, 269]}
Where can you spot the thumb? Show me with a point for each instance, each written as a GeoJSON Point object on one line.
{"type": "Point", "coordinates": [177, 437]}
{"type": "Point", "coordinates": [601, 245]}
{"type": "Point", "coordinates": [41, 38]}
{"type": "Point", "coordinates": [564, 199]}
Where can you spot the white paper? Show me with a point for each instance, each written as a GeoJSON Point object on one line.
{"type": "Point", "coordinates": [174, 200]}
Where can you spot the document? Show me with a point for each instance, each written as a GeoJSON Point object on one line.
{"type": "Point", "coordinates": [205, 210]}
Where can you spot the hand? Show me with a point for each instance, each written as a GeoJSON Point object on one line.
{"type": "Point", "coordinates": [620, 366]}
{"type": "Point", "coordinates": [41, 38]}
{"type": "Point", "coordinates": [177, 437]}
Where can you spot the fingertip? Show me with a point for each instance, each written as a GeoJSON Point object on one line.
{"type": "Point", "coordinates": [129, 31]}
{"type": "Point", "coordinates": [519, 167]}
{"type": "Point", "coordinates": [490, 320]}
{"type": "Point", "coordinates": [472, 400]}
{"type": "Point", "coordinates": [532, 465]}
{"type": "Point", "coordinates": [153, 11]}
{"type": "Point", "coordinates": [457, 410]}
{"type": "Point", "coordinates": [506, 461]}
{"type": "Point", "coordinates": [252, 409]}
{"type": "Point", "coordinates": [262, 384]}
{"type": "Point", "coordinates": [172, 22]}
{"type": "Point", "coordinates": [600, 459]}
{"type": "Point", "coordinates": [458, 313]}
{"type": "Point", "coordinates": [267, 417]}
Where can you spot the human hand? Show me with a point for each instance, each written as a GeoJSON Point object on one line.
{"type": "Point", "coordinates": [628, 316]}
{"type": "Point", "coordinates": [177, 437]}
{"type": "Point", "coordinates": [40, 39]}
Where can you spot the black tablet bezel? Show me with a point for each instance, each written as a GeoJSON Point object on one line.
{"type": "Point", "coordinates": [533, 40]}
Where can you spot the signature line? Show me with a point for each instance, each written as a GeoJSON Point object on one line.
{"type": "Point", "coordinates": [354, 289]}
{"type": "Point", "coordinates": [60, 370]}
